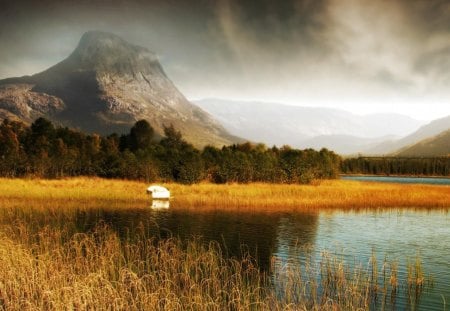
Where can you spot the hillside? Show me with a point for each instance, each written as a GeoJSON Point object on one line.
{"type": "Point", "coordinates": [438, 145]}
{"type": "Point", "coordinates": [104, 86]}
{"type": "Point", "coordinates": [429, 130]}
{"type": "Point", "coordinates": [302, 127]}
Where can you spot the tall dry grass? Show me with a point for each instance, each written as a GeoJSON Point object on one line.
{"type": "Point", "coordinates": [57, 267]}
{"type": "Point", "coordinates": [98, 271]}
{"type": "Point", "coordinates": [86, 192]}
{"type": "Point", "coordinates": [321, 195]}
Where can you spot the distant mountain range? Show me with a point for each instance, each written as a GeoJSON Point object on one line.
{"type": "Point", "coordinates": [429, 130]}
{"type": "Point", "coordinates": [438, 145]}
{"type": "Point", "coordinates": [345, 144]}
{"type": "Point", "coordinates": [104, 86]}
{"type": "Point", "coordinates": [308, 127]}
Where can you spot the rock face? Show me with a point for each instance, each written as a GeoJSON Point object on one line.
{"type": "Point", "coordinates": [104, 86]}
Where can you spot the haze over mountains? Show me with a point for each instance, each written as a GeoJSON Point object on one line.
{"type": "Point", "coordinates": [438, 145]}
{"type": "Point", "coordinates": [429, 140]}
{"type": "Point", "coordinates": [307, 127]}
{"type": "Point", "coordinates": [432, 139]}
{"type": "Point", "coordinates": [104, 86]}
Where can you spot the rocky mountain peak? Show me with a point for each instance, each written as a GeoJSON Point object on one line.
{"type": "Point", "coordinates": [108, 53]}
{"type": "Point", "coordinates": [105, 85]}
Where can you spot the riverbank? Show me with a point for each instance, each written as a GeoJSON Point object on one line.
{"type": "Point", "coordinates": [329, 194]}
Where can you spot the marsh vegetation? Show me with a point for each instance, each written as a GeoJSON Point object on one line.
{"type": "Point", "coordinates": [49, 260]}
{"type": "Point", "coordinates": [52, 269]}
{"type": "Point", "coordinates": [79, 192]}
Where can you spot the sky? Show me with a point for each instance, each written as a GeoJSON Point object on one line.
{"type": "Point", "coordinates": [364, 56]}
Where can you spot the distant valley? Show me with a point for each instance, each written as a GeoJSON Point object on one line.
{"type": "Point", "coordinates": [306, 127]}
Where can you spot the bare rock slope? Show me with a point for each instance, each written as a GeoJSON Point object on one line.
{"type": "Point", "coordinates": [104, 86]}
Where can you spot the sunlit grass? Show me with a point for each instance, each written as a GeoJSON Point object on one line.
{"type": "Point", "coordinates": [321, 195]}
{"type": "Point", "coordinates": [49, 262]}
{"type": "Point", "coordinates": [51, 270]}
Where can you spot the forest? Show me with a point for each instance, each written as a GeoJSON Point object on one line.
{"type": "Point", "coordinates": [45, 150]}
{"type": "Point", "coordinates": [411, 166]}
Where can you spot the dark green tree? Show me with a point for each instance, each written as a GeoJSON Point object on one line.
{"type": "Point", "coordinates": [141, 135]}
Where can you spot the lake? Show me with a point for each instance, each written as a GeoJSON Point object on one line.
{"type": "Point", "coordinates": [400, 179]}
{"type": "Point", "coordinates": [399, 235]}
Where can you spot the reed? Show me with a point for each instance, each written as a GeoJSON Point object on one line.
{"type": "Point", "coordinates": [97, 271]}
{"type": "Point", "coordinates": [330, 194]}
{"type": "Point", "coordinates": [48, 263]}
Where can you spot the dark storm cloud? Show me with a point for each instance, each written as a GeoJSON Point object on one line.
{"type": "Point", "coordinates": [311, 52]}
{"type": "Point", "coordinates": [40, 33]}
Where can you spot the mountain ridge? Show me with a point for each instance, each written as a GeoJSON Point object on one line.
{"type": "Point", "coordinates": [105, 85]}
{"type": "Point", "coordinates": [436, 146]}
{"type": "Point", "coordinates": [426, 131]}
{"type": "Point", "coordinates": [278, 124]}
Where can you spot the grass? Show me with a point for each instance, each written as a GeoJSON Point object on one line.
{"type": "Point", "coordinates": [321, 195]}
{"type": "Point", "coordinates": [46, 263]}
{"type": "Point", "coordinates": [98, 271]}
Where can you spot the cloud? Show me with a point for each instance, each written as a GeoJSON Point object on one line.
{"type": "Point", "coordinates": [335, 51]}
{"type": "Point", "coordinates": [360, 54]}
{"type": "Point", "coordinates": [387, 36]}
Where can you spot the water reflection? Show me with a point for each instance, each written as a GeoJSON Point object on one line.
{"type": "Point", "coordinates": [397, 234]}
{"type": "Point", "coordinates": [160, 204]}
{"type": "Point", "coordinates": [260, 234]}
{"type": "Point", "coordinates": [295, 233]}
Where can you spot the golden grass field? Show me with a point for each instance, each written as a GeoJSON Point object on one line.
{"type": "Point", "coordinates": [327, 194]}
{"type": "Point", "coordinates": [46, 264]}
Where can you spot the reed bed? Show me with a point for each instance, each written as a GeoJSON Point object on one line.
{"type": "Point", "coordinates": [320, 195]}
{"type": "Point", "coordinates": [50, 270]}
{"type": "Point", "coordinates": [48, 262]}
{"type": "Point", "coordinates": [329, 194]}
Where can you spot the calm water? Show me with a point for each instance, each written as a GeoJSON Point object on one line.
{"type": "Point", "coordinates": [399, 235]}
{"type": "Point", "coordinates": [401, 180]}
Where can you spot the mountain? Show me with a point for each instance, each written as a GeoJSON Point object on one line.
{"type": "Point", "coordinates": [104, 86]}
{"type": "Point", "coordinates": [344, 144]}
{"type": "Point", "coordinates": [426, 131]}
{"type": "Point", "coordinates": [277, 124]}
{"type": "Point", "coordinates": [438, 145]}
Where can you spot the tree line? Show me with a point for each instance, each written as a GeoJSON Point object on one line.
{"type": "Point", "coordinates": [44, 150]}
{"type": "Point", "coordinates": [438, 166]}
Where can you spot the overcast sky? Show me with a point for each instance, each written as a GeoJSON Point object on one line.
{"type": "Point", "coordinates": [359, 55]}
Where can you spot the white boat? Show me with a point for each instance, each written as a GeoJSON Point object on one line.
{"type": "Point", "coordinates": [158, 192]}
